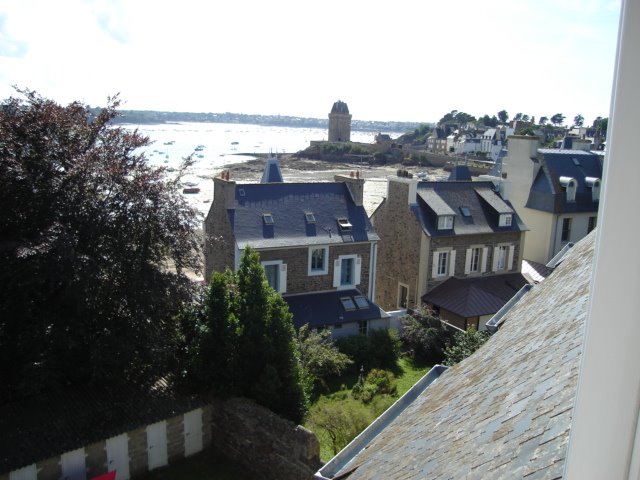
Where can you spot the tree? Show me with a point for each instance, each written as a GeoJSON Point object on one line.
{"type": "Point", "coordinates": [319, 357]}
{"type": "Point", "coordinates": [503, 116]}
{"type": "Point", "coordinates": [244, 342]}
{"type": "Point", "coordinates": [457, 117]}
{"type": "Point", "coordinates": [533, 120]}
{"type": "Point", "coordinates": [94, 247]}
{"type": "Point", "coordinates": [341, 423]}
{"type": "Point", "coordinates": [543, 120]}
{"type": "Point", "coordinates": [423, 337]}
{"type": "Point", "coordinates": [518, 116]}
{"type": "Point", "coordinates": [557, 119]}
{"type": "Point", "coordinates": [525, 118]}
{"type": "Point", "coordinates": [578, 120]}
{"type": "Point", "coordinates": [601, 124]}
{"type": "Point", "coordinates": [464, 344]}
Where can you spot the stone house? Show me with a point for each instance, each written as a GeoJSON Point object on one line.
{"type": "Point", "coordinates": [556, 192]}
{"type": "Point", "coordinates": [452, 235]}
{"type": "Point", "coordinates": [315, 241]}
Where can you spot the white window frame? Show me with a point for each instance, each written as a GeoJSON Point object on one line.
{"type": "Point", "coordinates": [282, 273]}
{"type": "Point", "coordinates": [509, 251]}
{"type": "Point", "coordinates": [506, 220]}
{"type": "Point", "coordinates": [481, 266]}
{"type": "Point", "coordinates": [311, 272]}
{"type": "Point", "coordinates": [337, 271]}
{"type": "Point", "coordinates": [445, 222]}
{"type": "Point", "coordinates": [449, 266]}
{"type": "Point", "coordinates": [400, 287]}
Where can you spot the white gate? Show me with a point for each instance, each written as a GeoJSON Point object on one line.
{"type": "Point", "coordinates": [157, 444]}
{"type": "Point", "coordinates": [118, 456]}
{"type": "Point", "coordinates": [192, 432]}
{"type": "Point", "coordinates": [74, 465]}
{"type": "Point", "coordinates": [29, 472]}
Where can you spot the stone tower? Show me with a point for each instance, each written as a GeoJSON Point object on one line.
{"type": "Point", "coordinates": [339, 123]}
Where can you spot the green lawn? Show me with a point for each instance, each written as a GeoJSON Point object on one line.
{"type": "Point", "coordinates": [202, 466]}
{"type": "Point", "coordinates": [338, 395]}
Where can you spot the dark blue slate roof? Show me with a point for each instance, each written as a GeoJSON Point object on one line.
{"type": "Point", "coordinates": [548, 195]}
{"type": "Point", "coordinates": [458, 173]}
{"type": "Point", "coordinates": [325, 308]}
{"type": "Point", "coordinates": [288, 204]}
{"type": "Point", "coordinates": [484, 215]}
{"type": "Point", "coordinates": [272, 173]}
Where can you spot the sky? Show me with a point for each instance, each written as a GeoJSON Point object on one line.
{"type": "Point", "coordinates": [401, 60]}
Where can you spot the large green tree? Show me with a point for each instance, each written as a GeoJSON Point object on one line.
{"type": "Point", "coordinates": [94, 245]}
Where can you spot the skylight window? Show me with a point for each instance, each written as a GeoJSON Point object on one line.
{"type": "Point", "coordinates": [347, 303]}
{"type": "Point", "coordinates": [576, 162]}
{"type": "Point", "coordinates": [465, 211]}
{"type": "Point", "coordinates": [267, 218]}
{"type": "Point", "coordinates": [241, 192]}
{"type": "Point", "coordinates": [344, 224]}
{"type": "Point", "coordinates": [361, 302]}
{"type": "Point", "coordinates": [310, 217]}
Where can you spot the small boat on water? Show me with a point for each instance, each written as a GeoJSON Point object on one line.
{"type": "Point", "coordinates": [235, 143]}
{"type": "Point", "coordinates": [189, 190]}
{"type": "Point", "coordinates": [199, 148]}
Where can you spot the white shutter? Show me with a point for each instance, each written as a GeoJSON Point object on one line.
{"type": "Point", "coordinates": [74, 465]}
{"type": "Point", "coordinates": [282, 284]}
{"type": "Point", "coordinates": [467, 261]}
{"type": "Point", "coordinates": [336, 273]}
{"type": "Point", "coordinates": [358, 270]}
{"type": "Point", "coordinates": [485, 257]}
{"type": "Point", "coordinates": [494, 263]}
{"type": "Point", "coordinates": [434, 265]}
{"type": "Point", "coordinates": [452, 263]}
{"type": "Point", "coordinates": [118, 456]}
{"type": "Point", "coordinates": [510, 257]}
{"type": "Point", "coordinates": [26, 473]}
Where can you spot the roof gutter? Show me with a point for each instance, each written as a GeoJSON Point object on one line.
{"type": "Point", "coordinates": [351, 451]}
{"type": "Point", "coordinates": [497, 320]}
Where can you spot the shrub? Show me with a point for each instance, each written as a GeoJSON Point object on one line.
{"type": "Point", "coordinates": [379, 349]}
{"type": "Point", "coordinates": [463, 345]}
{"type": "Point", "coordinates": [377, 382]}
{"type": "Point", "coordinates": [423, 337]}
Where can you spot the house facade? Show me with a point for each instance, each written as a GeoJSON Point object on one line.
{"type": "Point", "coordinates": [315, 242]}
{"type": "Point", "coordinates": [433, 232]}
{"type": "Point", "coordinates": [556, 192]}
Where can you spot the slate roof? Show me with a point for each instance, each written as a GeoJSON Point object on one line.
{"type": "Point", "coordinates": [340, 107]}
{"type": "Point", "coordinates": [446, 198]}
{"type": "Point", "coordinates": [472, 297]}
{"type": "Point", "coordinates": [272, 172]}
{"type": "Point", "coordinates": [459, 173]}
{"type": "Point", "coordinates": [548, 195]}
{"type": "Point", "coordinates": [288, 203]}
{"type": "Point", "coordinates": [505, 411]}
{"type": "Point", "coordinates": [44, 426]}
{"type": "Point", "coordinates": [325, 308]}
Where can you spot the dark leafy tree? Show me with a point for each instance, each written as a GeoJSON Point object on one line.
{"type": "Point", "coordinates": [464, 344]}
{"type": "Point", "coordinates": [503, 116]}
{"type": "Point", "coordinates": [601, 124]}
{"type": "Point", "coordinates": [488, 121]}
{"type": "Point", "coordinates": [423, 336]}
{"type": "Point", "coordinates": [543, 120]}
{"type": "Point", "coordinates": [557, 119]}
{"type": "Point", "coordinates": [454, 116]}
{"type": "Point", "coordinates": [94, 245]}
{"type": "Point", "coordinates": [525, 118]}
{"type": "Point", "coordinates": [578, 120]}
{"type": "Point", "coordinates": [533, 120]}
{"type": "Point", "coordinates": [518, 116]}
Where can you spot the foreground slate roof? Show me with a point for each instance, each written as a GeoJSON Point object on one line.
{"type": "Point", "coordinates": [471, 297]}
{"type": "Point", "coordinates": [288, 203]}
{"type": "Point", "coordinates": [447, 198]}
{"type": "Point", "coordinates": [325, 308]}
{"type": "Point", "coordinates": [504, 412]}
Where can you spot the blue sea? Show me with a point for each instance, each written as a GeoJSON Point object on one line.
{"type": "Point", "coordinates": [215, 145]}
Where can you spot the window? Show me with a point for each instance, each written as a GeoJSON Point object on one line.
{"type": "Point", "coordinates": [505, 219]}
{"type": "Point", "coordinates": [503, 257]}
{"type": "Point", "coordinates": [465, 211]}
{"type": "Point", "coordinates": [592, 224]}
{"type": "Point", "coordinates": [310, 217]}
{"type": "Point", "coordinates": [566, 229]}
{"type": "Point", "coordinates": [318, 260]}
{"type": "Point", "coordinates": [361, 302]}
{"type": "Point", "coordinates": [344, 224]}
{"type": "Point", "coordinates": [346, 271]}
{"type": "Point", "coordinates": [276, 273]}
{"type": "Point", "coordinates": [403, 295]}
{"type": "Point", "coordinates": [267, 218]}
{"type": "Point", "coordinates": [570, 185]}
{"type": "Point", "coordinates": [445, 222]}
{"type": "Point", "coordinates": [363, 327]}
{"type": "Point", "coordinates": [474, 260]}
{"type": "Point", "coordinates": [442, 263]}
{"type": "Point", "coordinates": [347, 303]}
{"type": "Point", "coordinates": [594, 184]}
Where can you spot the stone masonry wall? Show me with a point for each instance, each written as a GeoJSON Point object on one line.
{"type": "Point", "coordinates": [262, 442]}
{"type": "Point", "coordinates": [297, 260]}
{"type": "Point", "coordinates": [399, 246]}
{"type": "Point", "coordinates": [219, 244]}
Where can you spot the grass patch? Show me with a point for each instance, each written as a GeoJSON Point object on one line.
{"type": "Point", "coordinates": [338, 399]}
{"type": "Point", "coordinates": [202, 466]}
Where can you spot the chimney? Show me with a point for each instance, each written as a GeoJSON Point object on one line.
{"type": "Point", "coordinates": [355, 185]}
{"type": "Point", "coordinates": [402, 191]}
{"type": "Point", "coordinates": [224, 191]}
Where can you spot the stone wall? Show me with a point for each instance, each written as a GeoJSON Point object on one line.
{"type": "Point", "coordinates": [297, 260]}
{"type": "Point", "coordinates": [219, 242]}
{"type": "Point", "coordinates": [262, 442]}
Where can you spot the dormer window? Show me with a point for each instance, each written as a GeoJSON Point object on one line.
{"type": "Point", "coordinates": [309, 217]}
{"type": "Point", "coordinates": [344, 224]}
{"type": "Point", "coordinates": [267, 218]}
{"type": "Point", "coordinates": [445, 222]}
{"type": "Point", "coordinates": [465, 211]}
{"type": "Point", "coordinates": [594, 184]}
{"type": "Point", "coordinates": [570, 185]}
{"type": "Point", "coordinates": [505, 219]}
